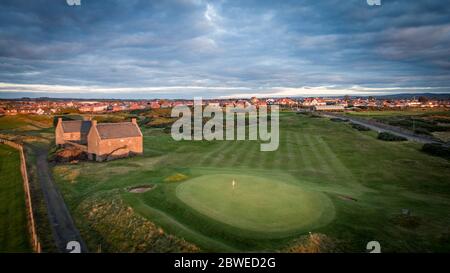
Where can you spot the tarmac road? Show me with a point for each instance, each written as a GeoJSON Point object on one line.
{"type": "Point", "coordinates": [63, 227]}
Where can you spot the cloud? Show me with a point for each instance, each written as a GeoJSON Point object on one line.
{"type": "Point", "coordinates": [43, 88]}
{"type": "Point", "coordinates": [205, 91]}
{"type": "Point", "coordinates": [312, 91]}
{"type": "Point", "coordinates": [255, 45]}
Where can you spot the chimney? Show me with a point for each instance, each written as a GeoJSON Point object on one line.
{"type": "Point", "coordinates": [94, 122]}
{"type": "Point", "coordinates": [133, 120]}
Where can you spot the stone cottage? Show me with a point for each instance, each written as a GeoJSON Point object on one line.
{"type": "Point", "coordinates": [102, 141]}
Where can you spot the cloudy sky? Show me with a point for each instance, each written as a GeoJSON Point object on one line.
{"type": "Point", "coordinates": [186, 48]}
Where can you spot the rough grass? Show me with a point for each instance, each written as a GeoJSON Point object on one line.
{"type": "Point", "coordinates": [119, 229]}
{"type": "Point", "coordinates": [313, 243]}
{"type": "Point", "coordinates": [20, 129]}
{"type": "Point", "coordinates": [176, 178]}
{"type": "Point", "coordinates": [14, 235]}
{"type": "Point", "coordinates": [25, 122]}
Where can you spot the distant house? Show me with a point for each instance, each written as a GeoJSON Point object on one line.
{"type": "Point", "coordinates": [414, 103]}
{"type": "Point", "coordinates": [165, 105]}
{"type": "Point", "coordinates": [154, 105]}
{"type": "Point", "coordinates": [135, 106]}
{"type": "Point", "coordinates": [262, 104]}
{"type": "Point", "coordinates": [84, 109]}
{"type": "Point", "coordinates": [329, 108]}
{"type": "Point", "coordinates": [93, 108]}
{"type": "Point", "coordinates": [11, 112]}
{"type": "Point", "coordinates": [308, 102]}
{"type": "Point", "coordinates": [214, 104]}
{"type": "Point", "coordinates": [254, 100]}
{"type": "Point", "coordinates": [286, 101]}
{"type": "Point", "coordinates": [102, 141]}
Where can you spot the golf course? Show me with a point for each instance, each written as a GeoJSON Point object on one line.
{"type": "Point", "coordinates": [325, 179]}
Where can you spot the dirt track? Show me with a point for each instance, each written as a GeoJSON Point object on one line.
{"type": "Point", "coordinates": [63, 227]}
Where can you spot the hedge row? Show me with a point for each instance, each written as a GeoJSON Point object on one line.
{"type": "Point", "coordinates": [436, 150]}
{"type": "Point", "coordinates": [360, 127]}
{"type": "Point", "coordinates": [390, 137]}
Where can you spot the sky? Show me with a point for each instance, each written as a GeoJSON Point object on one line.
{"type": "Point", "coordinates": [220, 49]}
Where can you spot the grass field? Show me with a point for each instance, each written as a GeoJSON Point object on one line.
{"type": "Point", "coordinates": [358, 185]}
{"type": "Point", "coordinates": [13, 220]}
{"type": "Point", "coordinates": [24, 122]}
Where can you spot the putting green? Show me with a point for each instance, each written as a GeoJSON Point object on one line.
{"type": "Point", "coordinates": [256, 203]}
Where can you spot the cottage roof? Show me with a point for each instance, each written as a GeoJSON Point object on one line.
{"type": "Point", "coordinates": [118, 130]}
{"type": "Point", "coordinates": [74, 126]}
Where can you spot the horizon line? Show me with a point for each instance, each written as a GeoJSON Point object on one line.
{"type": "Point", "coordinates": [231, 98]}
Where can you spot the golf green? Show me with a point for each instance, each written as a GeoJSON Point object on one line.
{"type": "Point", "coordinates": [256, 203]}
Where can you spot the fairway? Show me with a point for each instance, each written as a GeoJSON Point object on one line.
{"type": "Point", "coordinates": [255, 203]}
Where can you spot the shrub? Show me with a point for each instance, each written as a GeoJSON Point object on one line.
{"type": "Point", "coordinates": [110, 118]}
{"type": "Point", "coordinates": [390, 137]}
{"type": "Point", "coordinates": [360, 127]}
{"type": "Point", "coordinates": [313, 243]}
{"type": "Point", "coordinates": [422, 131]}
{"type": "Point", "coordinates": [156, 113]}
{"type": "Point", "coordinates": [314, 115]}
{"type": "Point", "coordinates": [66, 155]}
{"type": "Point", "coordinates": [436, 150]}
{"type": "Point", "coordinates": [441, 119]}
{"type": "Point", "coordinates": [161, 122]}
{"type": "Point", "coordinates": [413, 123]}
{"type": "Point", "coordinates": [306, 113]}
{"type": "Point", "coordinates": [407, 221]}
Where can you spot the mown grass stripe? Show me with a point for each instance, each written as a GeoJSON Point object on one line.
{"type": "Point", "coordinates": [322, 165]}
{"type": "Point", "coordinates": [213, 154]}
{"type": "Point", "coordinates": [241, 154]}
{"type": "Point", "coordinates": [225, 156]}
{"type": "Point", "coordinates": [252, 153]}
{"type": "Point", "coordinates": [333, 160]}
{"type": "Point", "coordinates": [303, 161]}
{"type": "Point", "coordinates": [291, 147]}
